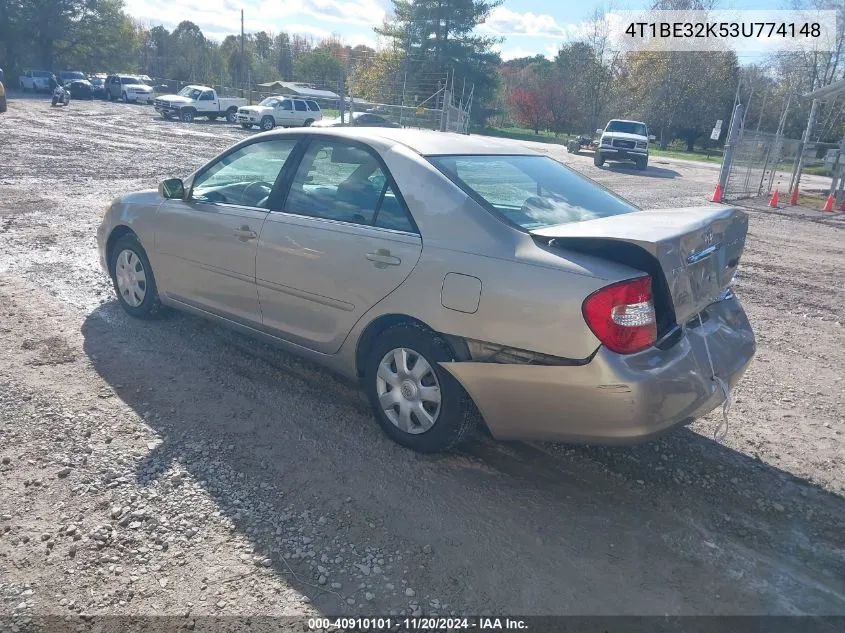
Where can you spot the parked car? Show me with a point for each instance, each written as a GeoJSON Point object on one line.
{"type": "Point", "coordinates": [194, 101]}
{"type": "Point", "coordinates": [280, 111]}
{"type": "Point", "coordinates": [359, 119]}
{"type": "Point", "coordinates": [128, 88]}
{"type": "Point", "coordinates": [67, 76]}
{"type": "Point", "coordinates": [623, 140]}
{"type": "Point", "coordinates": [80, 89]}
{"type": "Point", "coordinates": [2, 94]}
{"type": "Point", "coordinates": [98, 85]}
{"type": "Point", "coordinates": [443, 269]}
{"type": "Point", "coordinates": [35, 81]}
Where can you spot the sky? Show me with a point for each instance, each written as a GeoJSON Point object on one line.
{"type": "Point", "coordinates": [527, 27]}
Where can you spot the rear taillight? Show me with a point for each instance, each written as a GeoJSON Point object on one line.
{"type": "Point", "coordinates": [622, 315]}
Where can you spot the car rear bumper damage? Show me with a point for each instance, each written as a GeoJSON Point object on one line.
{"type": "Point", "coordinates": [615, 399]}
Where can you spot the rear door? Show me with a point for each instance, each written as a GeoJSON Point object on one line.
{"type": "Point", "coordinates": [342, 242]}
{"type": "Point", "coordinates": [300, 110]}
{"type": "Point", "coordinates": [284, 113]}
{"type": "Point", "coordinates": [207, 242]}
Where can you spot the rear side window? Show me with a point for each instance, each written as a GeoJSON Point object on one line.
{"type": "Point", "coordinates": [300, 106]}
{"type": "Point", "coordinates": [343, 182]}
{"type": "Point", "coordinates": [531, 191]}
{"type": "Point", "coordinates": [313, 106]}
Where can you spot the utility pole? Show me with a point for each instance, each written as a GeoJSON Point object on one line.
{"type": "Point", "coordinates": [241, 65]}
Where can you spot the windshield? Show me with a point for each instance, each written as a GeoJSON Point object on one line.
{"type": "Point", "coordinates": [131, 80]}
{"type": "Point", "coordinates": [532, 191]}
{"type": "Point", "coordinates": [190, 92]}
{"type": "Point", "coordinates": [627, 127]}
{"type": "Point", "coordinates": [72, 75]}
{"type": "Point", "coordinates": [270, 102]}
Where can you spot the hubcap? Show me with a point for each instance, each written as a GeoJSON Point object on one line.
{"type": "Point", "coordinates": [408, 390]}
{"type": "Point", "coordinates": [130, 277]}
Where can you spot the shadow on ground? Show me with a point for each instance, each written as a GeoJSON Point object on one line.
{"type": "Point", "coordinates": [650, 172]}
{"type": "Point", "coordinates": [672, 527]}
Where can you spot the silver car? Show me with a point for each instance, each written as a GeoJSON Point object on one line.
{"type": "Point", "coordinates": [451, 275]}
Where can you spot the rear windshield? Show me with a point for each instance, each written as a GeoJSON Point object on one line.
{"type": "Point", "coordinates": [627, 127]}
{"type": "Point", "coordinates": [532, 192]}
{"type": "Point", "coordinates": [72, 75]}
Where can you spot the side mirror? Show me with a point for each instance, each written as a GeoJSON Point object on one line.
{"type": "Point", "coordinates": [172, 189]}
{"type": "Point", "coordinates": [599, 131]}
{"type": "Point", "coordinates": [652, 137]}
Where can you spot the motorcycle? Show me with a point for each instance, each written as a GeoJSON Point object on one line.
{"type": "Point", "coordinates": [61, 96]}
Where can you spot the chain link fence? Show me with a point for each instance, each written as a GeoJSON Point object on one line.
{"type": "Point", "coordinates": [762, 161]}
{"type": "Point", "coordinates": [432, 104]}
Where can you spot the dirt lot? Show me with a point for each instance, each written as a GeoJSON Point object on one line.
{"type": "Point", "coordinates": [175, 467]}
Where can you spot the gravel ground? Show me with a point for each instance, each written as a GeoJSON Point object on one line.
{"type": "Point", "coordinates": [175, 467]}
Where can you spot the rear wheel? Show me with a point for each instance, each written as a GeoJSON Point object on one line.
{"type": "Point", "coordinates": [417, 403]}
{"type": "Point", "coordinates": [308, 122]}
{"type": "Point", "coordinates": [133, 280]}
{"type": "Point", "coordinates": [598, 159]}
{"type": "Point", "coordinates": [268, 123]}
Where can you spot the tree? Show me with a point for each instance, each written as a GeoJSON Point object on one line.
{"type": "Point", "coordinates": [439, 37]}
{"type": "Point", "coordinates": [318, 66]}
{"type": "Point", "coordinates": [284, 56]}
{"type": "Point", "coordinates": [529, 107]}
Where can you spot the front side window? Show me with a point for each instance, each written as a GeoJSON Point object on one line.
{"type": "Point", "coordinates": [206, 96]}
{"type": "Point", "coordinates": [244, 177]}
{"type": "Point", "coordinates": [286, 104]}
{"type": "Point", "coordinates": [532, 192]}
{"type": "Point", "coordinates": [343, 182]}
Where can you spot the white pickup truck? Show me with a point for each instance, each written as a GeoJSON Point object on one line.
{"type": "Point", "coordinates": [35, 81]}
{"type": "Point", "coordinates": [623, 140]}
{"type": "Point", "coordinates": [194, 101]}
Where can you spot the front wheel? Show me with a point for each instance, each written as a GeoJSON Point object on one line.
{"type": "Point", "coordinates": [187, 116]}
{"type": "Point", "coordinates": [268, 123]}
{"type": "Point", "coordinates": [642, 163]}
{"type": "Point", "coordinates": [133, 280]}
{"type": "Point", "coordinates": [417, 403]}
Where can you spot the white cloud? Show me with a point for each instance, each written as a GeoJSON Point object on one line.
{"type": "Point", "coordinates": [223, 18]}
{"type": "Point", "coordinates": [503, 21]}
{"type": "Point", "coordinates": [515, 53]}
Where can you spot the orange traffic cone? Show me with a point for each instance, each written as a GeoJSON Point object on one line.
{"type": "Point", "coordinates": [793, 199]}
{"type": "Point", "coordinates": [828, 205]}
{"type": "Point", "coordinates": [717, 195]}
{"type": "Point", "coordinates": [773, 203]}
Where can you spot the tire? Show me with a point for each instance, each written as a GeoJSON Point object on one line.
{"type": "Point", "coordinates": [124, 97]}
{"type": "Point", "coordinates": [108, 96]}
{"type": "Point", "coordinates": [598, 159]}
{"type": "Point", "coordinates": [186, 115]}
{"type": "Point", "coordinates": [246, 126]}
{"type": "Point", "coordinates": [308, 122]}
{"type": "Point", "coordinates": [267, 123]}
{"type": "Point", "coordinates": [149, 306]}
{"type": "Point", "coordinates": [232, 115]}
{"type": "Point", "coordinates": [454, 417]}
{"type": "Point", "coordinates": [55, 101]}
{"type": "Point", "coordinates": [642, 164]}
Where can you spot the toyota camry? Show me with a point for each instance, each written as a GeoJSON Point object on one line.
{"type": "Point", "coordinates": [452, 276]}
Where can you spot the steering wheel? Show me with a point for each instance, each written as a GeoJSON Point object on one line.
{"type": "Point", "coordinates": [259, 189]}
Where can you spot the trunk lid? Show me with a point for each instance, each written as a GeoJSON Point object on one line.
{"type": "Point", "coordinates": [697, 248]}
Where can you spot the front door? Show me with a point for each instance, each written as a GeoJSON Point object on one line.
{"type": "Point", "coordinates": [343, 241]}
{"type": "Point", "coordinates": [207, 243]}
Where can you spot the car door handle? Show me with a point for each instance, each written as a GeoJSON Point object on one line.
{"type": "Point", "coordinates": [246, 233]}
{"type": "Point", "coordinates": [382, 258]}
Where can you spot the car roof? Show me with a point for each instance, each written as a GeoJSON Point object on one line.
{"type": "Point", "coordinates": [425, 142]}
{"type": "Point", "coordinates": [625, 121]}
